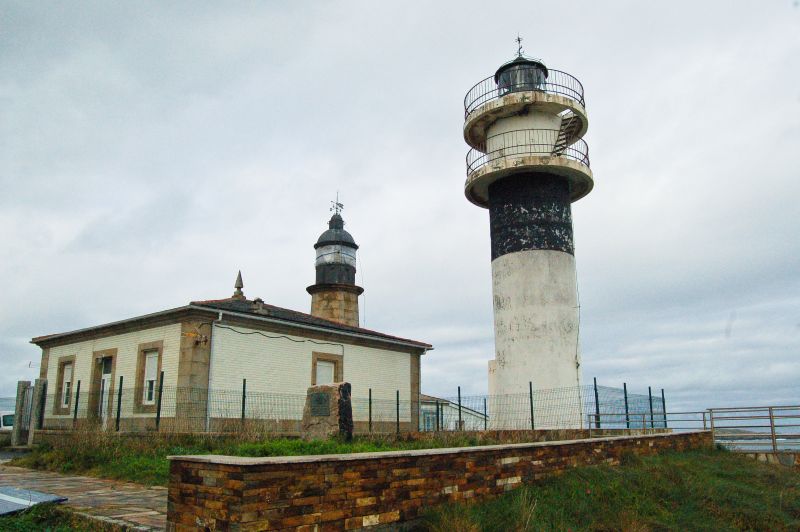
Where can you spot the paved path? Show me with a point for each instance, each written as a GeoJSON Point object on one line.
{"type": "Point", "coordinates": [124, 503]}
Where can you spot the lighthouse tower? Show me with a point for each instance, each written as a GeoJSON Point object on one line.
{"type": "Point", "coordinates": [527, 164]}
{"type": "Point", "coordinates": [335, 295]}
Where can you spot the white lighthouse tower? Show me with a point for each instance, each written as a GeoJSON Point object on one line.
{"type": "Point", "coordinates": [527, 164]}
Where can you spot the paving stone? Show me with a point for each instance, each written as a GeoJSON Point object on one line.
{"type": "Point", "coordinates": [121, 503]}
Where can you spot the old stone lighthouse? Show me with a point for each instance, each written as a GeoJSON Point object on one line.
{"type": "Point", "coordinates": [527, 164]}
{"type": "Point", "coordinates": [334, 296]}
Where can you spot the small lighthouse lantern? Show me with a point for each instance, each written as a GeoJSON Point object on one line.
{"type": "Point", "coordinates": [521, 73]}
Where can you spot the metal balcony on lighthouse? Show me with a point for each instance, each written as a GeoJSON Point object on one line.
{"type": "Point", "coordinates": [526, 117]}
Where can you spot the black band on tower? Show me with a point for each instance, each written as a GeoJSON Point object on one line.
{"type": "Point", "coordinates": [336, 273]}
{"type": "Point", "coordinates": [530, 211]}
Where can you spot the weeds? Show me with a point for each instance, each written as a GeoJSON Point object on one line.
{"type": "Point", "coordinates": [143, 458]}
{"type": "Point", "coordinates": [47, 518]}
{"type": "Point", "coordinates": [699, 490]}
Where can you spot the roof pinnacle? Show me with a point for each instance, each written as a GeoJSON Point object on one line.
{"type": "Point", "coordinates": [238, 294]}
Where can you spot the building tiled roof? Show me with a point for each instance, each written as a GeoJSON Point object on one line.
{"type": "Point", "coordinates": [240, 306]}
{"type": "Point", "coordinates": [258, 309]}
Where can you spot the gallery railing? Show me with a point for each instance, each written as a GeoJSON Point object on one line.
{"type": "Point", "coordinates": [556, 82]}
{"type": "Point", "coordinates": [524, 143]}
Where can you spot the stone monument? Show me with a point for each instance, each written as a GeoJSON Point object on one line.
{"type": "Point", "coordinates": [328, 412]}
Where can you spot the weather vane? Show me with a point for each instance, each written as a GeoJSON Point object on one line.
{"type": "Point", "coordinates": [336, 207]}
{"type": "Point", "coordinates": [519, 45]}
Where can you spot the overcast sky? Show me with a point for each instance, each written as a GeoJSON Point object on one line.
{"type": "Point", "coordinates": [149, 150]}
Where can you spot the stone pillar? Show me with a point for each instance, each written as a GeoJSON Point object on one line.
{"type": "Point", "coordinates": [328, 412]}
{"type": "Point", "coordinates": [191, 394]}
{"type": "Point", "coordinates": [38, 400]}
{"type": "Point", "coordinates": [19, 409]}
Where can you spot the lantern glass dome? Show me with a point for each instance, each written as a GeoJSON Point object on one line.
{"type": "Point", "coordinates": [521, 74]}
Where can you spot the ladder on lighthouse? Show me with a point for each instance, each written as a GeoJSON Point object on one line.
{"type": "Point", "coordinates": [570, 125]}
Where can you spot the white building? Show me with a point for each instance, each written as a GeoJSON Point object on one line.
{"type": "Point", "coordinates": [228, 358]}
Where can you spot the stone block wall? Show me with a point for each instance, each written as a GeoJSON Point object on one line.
{"type": "Point", "coordinates": [336, 305]}
{"type": "Point", "coordinates": [349, 492]}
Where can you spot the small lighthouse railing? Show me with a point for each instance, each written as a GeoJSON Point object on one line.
{"type": "Point", "coordinates": [557, 82]}
{"type": "Point", "coordinates": [525, 143]}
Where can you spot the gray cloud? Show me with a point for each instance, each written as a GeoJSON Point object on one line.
{"type": "Point", "coordinates": [149, 151]}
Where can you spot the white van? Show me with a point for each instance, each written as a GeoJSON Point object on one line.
{"type": "Point", "coordinates": [6, 420]}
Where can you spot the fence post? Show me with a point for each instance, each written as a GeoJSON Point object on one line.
{"type": "Point", "coordinates": [244, 399]}
{"type": "Point", "coordinates": [627, 417]}
{"type": "Point", "coordinates": [650, 395]}
{"type": "Point", "coordinates": [398, 410]}
{"type": "Point", "coordinates": [530, 396]}
{"type": "Point", "coordinates": [459, 409]}
{"type": "Point", "coordinates": [485, 415]}
{"type": "Point", "coordinates": [772, 430]}
{"type": "Point", "coordinates": [119, 402]}
{"type": "Point", "coordinates": [370, 410]}
{"type": "Point", "coordinates": [158, 405]}
{"type": "Point", "coordinates": [77, 398]}
{"type": "Point", "coordinates": [596, 405]}
{"type": "Point", "coordinates": [713, 431]}
{"type": "Point", "coordinates": [664, 407]}
{"type": "Point", "coordinates": [704, 420]}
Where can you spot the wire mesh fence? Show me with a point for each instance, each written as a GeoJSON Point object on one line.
{"type": "Point", "coordinates": [178, 409]}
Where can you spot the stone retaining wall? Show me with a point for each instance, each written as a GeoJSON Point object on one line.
{"type": "Point", "coordinates": [353, 491]}
{"type": "Point", "coordinates": [784, 458]}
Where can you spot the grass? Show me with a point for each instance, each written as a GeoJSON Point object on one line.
{"type": "Point", "coordinates": [144, 459]}
{"type": "Point", "coordinates": [46, 518]}
{"type": "Point", "coordinates": [700, 490]}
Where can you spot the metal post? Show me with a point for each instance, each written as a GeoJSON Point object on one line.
{"type": "Point", "coordinates": [158, 406]}
{"type": "Point", "coordinates": [398, 411]}
{"type": "Point", "coordinates": [244, 398]}
{"type": "Point", "coordinates": [627, 416]}
{"type": "Point", "coordinates": [772, 430]}
{"type": "Point", "coordinates": [530, 396]}
{"type": "Point", "coordinates": [713, 432]}
{"type": "Point", "coordinates": [77, 398]}
{"type": "Point", "coordinates": [459, 409]}
{"type": "Point", "coordinates": [438, 426]}
{"type": "Point", "coordinates": [596, 405]}
{"type": "Point", "coordinates": [664, 407]}
{"type": "Point", "coordinates": [119, 402]}
{"type": "Point", "coordinates": [370, 410]}
{"type": "Point", "coordinates": [42, 405]}
{"type": "Point", "coordinates": [704, 420]}
{"type": "Point", "coordinates": [650, 395]}
{"type": "Point", "coordinates": [485, 415]}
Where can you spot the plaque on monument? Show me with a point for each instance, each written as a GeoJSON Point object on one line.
{"type": "Point", "coordinates": [320, 404]}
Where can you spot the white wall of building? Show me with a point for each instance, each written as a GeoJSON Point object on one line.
{"type": "Point", "coordinates": [273, 364]}
{"type": "Point", "coordinates": [127, 345]}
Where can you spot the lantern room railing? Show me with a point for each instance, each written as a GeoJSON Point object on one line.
{"type": "Point", "coordinates": [556, 82]}
{"type": "Point", "coordinates": [524, 143]}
